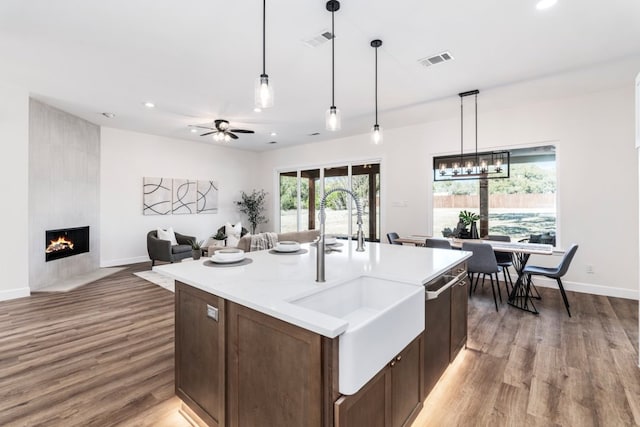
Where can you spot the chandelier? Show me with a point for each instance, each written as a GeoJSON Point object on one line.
{"type": "Point", "coordinates": [473, 165]}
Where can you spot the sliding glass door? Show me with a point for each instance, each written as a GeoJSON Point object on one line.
{"type": "Point", "coordinates": [301, 192]}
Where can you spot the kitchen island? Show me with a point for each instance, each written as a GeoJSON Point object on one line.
{"type": "Point", "coordinates": [248, 354]}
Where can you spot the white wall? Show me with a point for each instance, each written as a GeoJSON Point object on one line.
{"type": "Point", "coordinates": [14, 204]}
{"type": "Point", "coordinates": [127, 157]}
{"type": "Point", "coordinates": [597, 175]}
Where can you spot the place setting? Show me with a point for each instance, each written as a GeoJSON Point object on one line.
{"type": "Point", "coordinates": [230, 257]}
{"type": "Point", "coordinates": [288, 248]}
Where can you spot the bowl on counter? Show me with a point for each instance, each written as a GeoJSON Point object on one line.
{"type": "Point", "coordinates": [228, 255]}
{"type": "Point", "coordinates": [330, 240]}
{"type": "Point", "coordinates": [287, 246]}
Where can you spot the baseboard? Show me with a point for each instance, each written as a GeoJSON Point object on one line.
{"type": "Point", "coordinates": [587, 288]}
{"type": "Point", "coordinates": [14, 293]}
{"type": "Point", "coordinates": [123, 261]}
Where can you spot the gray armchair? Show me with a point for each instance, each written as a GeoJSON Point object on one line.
{"type": "Point", "coordinates": [162, 250]}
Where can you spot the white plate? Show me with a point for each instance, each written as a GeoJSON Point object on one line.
{"type": "Point", "coordinates": [227, 261]}
{"type": "Point", "coordinates": [287, 246]}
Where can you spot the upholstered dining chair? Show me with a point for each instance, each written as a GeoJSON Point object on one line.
{"type": "Point", "coordinates": [437, 243]}
{"type": "Point", "coordinates": [483, 262]}
{"type": "Point", "coordinates": [553, 272]}
{"type": "Point", "coordinates": [392, 238]}
{"type": "Point", "coordinates": [504, 259]}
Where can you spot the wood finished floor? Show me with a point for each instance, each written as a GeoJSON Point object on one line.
{"type": "Point", "coordinates": [102, 355]}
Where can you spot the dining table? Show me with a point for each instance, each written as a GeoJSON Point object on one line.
{"type": "Point", "coordinates": [522, 293]}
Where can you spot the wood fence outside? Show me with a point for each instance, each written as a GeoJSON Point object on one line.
{"type": "Point", "coordinates": [496, 201]}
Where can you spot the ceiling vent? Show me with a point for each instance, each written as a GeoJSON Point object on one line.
{"type": "Point", "coordinates": [319, 39]}
{"type": "Point", "coordinates": [436, 59]}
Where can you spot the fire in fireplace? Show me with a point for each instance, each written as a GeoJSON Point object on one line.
{"type": "Point", "coordinates": [66, 242]}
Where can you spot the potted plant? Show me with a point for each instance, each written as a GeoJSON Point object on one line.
{"type": "Point", "coordinates": [467, 218]}
{"type": "Point", "coordinates": [219, 238]}
{"type": "Point", "coordinates": [196, 248]}
{"type": "Point", "coordinates": [253, 206]}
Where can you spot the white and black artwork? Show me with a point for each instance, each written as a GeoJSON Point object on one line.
{"type": "Point", "coordinates": [184, 196]}
{"type": "Point", "coordinates": [156, 197]}
{"type": "Point", "coordinates": [207, 197]}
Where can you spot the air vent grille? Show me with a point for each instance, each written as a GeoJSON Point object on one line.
{"type": "Point", "coordinates": [436, 59]}
{"type": "Point", "coordinates": [317, 40]}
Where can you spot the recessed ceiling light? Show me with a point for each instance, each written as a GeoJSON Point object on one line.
{"type": "Point", "coordinates": [272, 142]}
{"type": "Point", "coordinates": [314, 134]}
{"type": "Point", "coordinates": [109, 115]}
{"type": "Point", "coordinates": [545, 4]}
{"type": "Point", "coordinates": [149, 104]}
{"type": "Point", "coordinates": [193, 130]}
{"type": "Point", "coordinates": [257, 110]}
{"type": "Point", "coordinates": [273, 134]}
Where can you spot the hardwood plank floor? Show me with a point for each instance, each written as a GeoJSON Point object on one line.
{"type": "Point", "coordinates": [548, 370]}
{"type": "Point", "coordinates": [102, 355]}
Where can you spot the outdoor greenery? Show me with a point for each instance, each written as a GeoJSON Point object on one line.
{"type": "Point", "coordinates": [335, 201]}
{"type": "Point", "coordinates": [252, 205]}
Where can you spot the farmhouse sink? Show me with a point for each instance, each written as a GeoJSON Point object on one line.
{"type": "Point", "coordinates": [383, 317]}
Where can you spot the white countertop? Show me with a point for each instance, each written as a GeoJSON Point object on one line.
{"type": "Point", "coordinates": [270, 281]}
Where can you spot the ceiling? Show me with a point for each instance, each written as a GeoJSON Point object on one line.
{"type": "Point", "coordinates": [197, 60]}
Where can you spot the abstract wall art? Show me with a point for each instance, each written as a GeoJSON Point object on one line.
{"type": "Point", "coordinates": [156, 196]}
{"type": "Point", "coordinates": [184, 196]}
{"type": "Point", "coordinates": [207, 197]}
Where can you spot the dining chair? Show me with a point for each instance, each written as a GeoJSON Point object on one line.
{"type": "Point", "coordinates": [437, 243]}
{"type": "Point", "coordinates": [392, 238]}
{"type": "Point", "coordinates": [504, 259]}
{"type": "Point", "coordinates": [553, 273]}
{"type": "Point", "coordinates": [483, 261]}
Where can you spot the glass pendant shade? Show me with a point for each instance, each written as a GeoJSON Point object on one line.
{"type": "Point", "coordinates": [376, 135]}
{"type": "Point", "coordinates": [263, 92]}
{"type": "Point", "coordinates": [332, 118]}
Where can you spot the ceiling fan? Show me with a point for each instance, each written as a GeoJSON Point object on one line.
{"type": "Point", "coordinates": [220, 130]}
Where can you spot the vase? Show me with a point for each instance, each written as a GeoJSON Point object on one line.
{"type": "Point", "coordinates": [196, 253]}
{"type": "Point", "coordinates": [474, 230]}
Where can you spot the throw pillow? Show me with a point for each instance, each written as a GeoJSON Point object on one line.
{"type": "Point", "coordinates": [167, 234]}
{"type": "Point", "coordinates": [233, 233]}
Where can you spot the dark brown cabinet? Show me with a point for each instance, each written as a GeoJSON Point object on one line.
{"type": "Point", "coordinates": [200, 353]}
{"type": "Point", "coordinates": [275, 371]}
{"type": "Point", "coordinates": [392, 398]}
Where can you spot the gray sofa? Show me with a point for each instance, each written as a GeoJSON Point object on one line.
{"type": "Point", "coordinates": [297, 236]}
{"type": "Point", "coordinates": [162, 250]}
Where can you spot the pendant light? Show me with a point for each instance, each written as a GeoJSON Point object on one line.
{"type": "Point", "coordinates": [332, 117]}
{"type": "Point", "coordinates": [376, 135]}
{"type": "Point", "coordinates": [263, 90]}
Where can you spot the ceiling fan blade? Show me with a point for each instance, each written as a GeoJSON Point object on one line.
{"type": "Point", "coordinates": [241, 131]}
{"type": "Point", "coordinates": [209, 133]}
{"type": "Point", "coordinates": [232, 135]}
{"type": "Point", "coordinates": [201, 127]}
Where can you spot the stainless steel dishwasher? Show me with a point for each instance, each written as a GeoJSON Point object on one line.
{"type": "Point", "coordinates": [438, 324]}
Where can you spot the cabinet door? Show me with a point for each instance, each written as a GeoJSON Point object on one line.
{"type": "Point", "coordinates": [406, 384]}
{"type": "Point", "coordinates": [275, 371]}
{"type": "Point", "coordinates": [459, 308]}
{"type": "Point", "coordinates": [437, 336]}
{"type": "Point", "coordinates": [200, 352]}
{"type": "Point", "coordinates": [370, 406]}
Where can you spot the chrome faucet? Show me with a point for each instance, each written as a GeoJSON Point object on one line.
{"type": "Point", "coordinates": [321, 247]}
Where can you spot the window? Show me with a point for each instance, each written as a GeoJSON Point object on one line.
{"type": "Point", "coordinates": [519, 206]}
{"type": "Point", "coordinates": [301, 192]}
